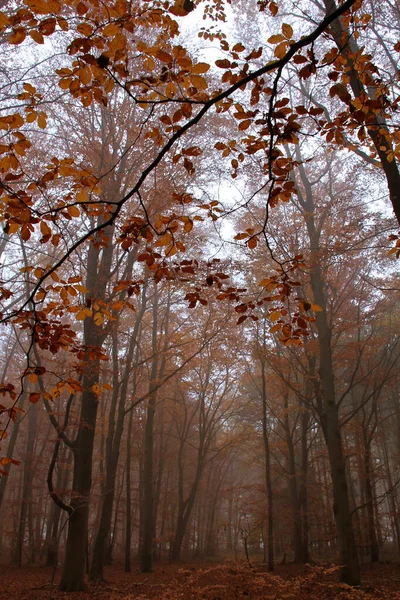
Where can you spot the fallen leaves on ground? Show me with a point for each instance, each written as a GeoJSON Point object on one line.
{"type": "Point", "coordinates": [228, 581]}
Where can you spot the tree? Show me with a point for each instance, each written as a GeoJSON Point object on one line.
{"type": "Point", "coordinates": [139, 99]}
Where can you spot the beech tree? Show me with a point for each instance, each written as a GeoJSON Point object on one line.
{"type": "Point", "coordinates": [103, 149]}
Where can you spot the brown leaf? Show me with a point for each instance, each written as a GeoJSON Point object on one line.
{"type": "Point", "coordinates": [280, 50]}
{"type": "Point", "coordinates": [18, 35]}
{"type": "Point", "coordinates": [287, 31]}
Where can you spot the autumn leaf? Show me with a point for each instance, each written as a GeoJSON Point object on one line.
{"type": "Point", "coordinates": [4, 20]}
{"type": "Point", "coordinates": [37, 36]}
{"type": "Point", "coordinates": [199, 82]}
{"type": "Point", "coordinates": [274, 316]}
{"type": "Point", "coordinates": [316, 308]}
{"type": "Point", "coordinates": [280, 50]}
{"type": "Point", "coordinates": [182, 8]}
{"type": "Point", "coordinates": [287, 31]}
{"type": "Point", "coordinates": [200, 68]}
{"type": "Point", "coordinates": [110, 30]}
{"type": "Point", "coordinates": [223, 64]}
{"type": "Point", "coordinates": [275, 39]}
{"type": "Point", "coordinates": [18, 35]}
{"type": "Point", "coordinates": [164, 56]}
{"type": "Point", "coordinates": [73, 211]}
{"type": "Point", "coordinates": [41, 121]}
{"type": "Point", "coordinates": [273, 8]}
{"type": "Point", "coordinates": [98, 318]}
{"type": "Point", "coordinates": [118, 305]}
{"type": "Point", "coordinates": [83, 313]}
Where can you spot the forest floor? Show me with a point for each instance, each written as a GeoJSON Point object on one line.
{"type": "Point", "coordinates": [203, 581]}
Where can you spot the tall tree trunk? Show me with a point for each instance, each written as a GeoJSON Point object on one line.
{"type": "Point", "coordinates": [147, 506]}
{"type": "Point", "coordinates": [372, 537]}
{"type": "Point", "coordinates": [305, 419]}
{"type": "Point", "coordinates": [146, 554]}
{"type": "Point", "coordinates": [149, 500]}
{"type": "Point", "coordinates": [331, 427]}
{"type": "Point", "coordinates": [293, 491]}
{"type": "Point", "coordinates": [329, 412]}
{"type": "Point", "coordinates": [62, 482]}
{"type": "Point", "coordinates": [114, 437]}
{"type": "Point", "coordinates": [128, 529]}
{"type": "Point", "coordinates": [73, 574]}
{"type": "Point", "coordinates": [10, 452]}
{"type": "Point", "coordinates": [267, 467]}
{"type": "Point", "coordinates": [26, 498]}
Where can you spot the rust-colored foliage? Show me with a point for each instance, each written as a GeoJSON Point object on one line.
{"type": "Point", "coordinates": [209, 582]}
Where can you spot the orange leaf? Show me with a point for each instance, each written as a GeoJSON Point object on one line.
{"type": "Point", "coordinates": [223, 64]}
{"type": "Point", "coordinates": [164, 56]}
{"type": "Point", "coordinates": [274, 316]}
{"type": "Point", "coordinates": [280, 50]}
{"type": "Point", "coordinates": [37, 36]}
{"type": "Point", "coordinates": [84, 29]}
{"type": "Point", "coordinates": [118, 305]}
{"type": "Point", "coordinates": [73, 211]}
{"type": "Point", "coordinates": [275, 39]}
{"type": "Point", "coordinates": [45, 229]}
{"type": "Point", "coordinates": [200, 68]}
{"type": "Point", "coordinates": [164, 240]}
{"type": "Point", "coordinates": [244, 125]}
{"type": "Point", "coordinates": [199, 82]}
{"type": "Point", "coordinates": [96, 389]}
{"type": "Point", "coordinates": [316, 308]}
{"type": "Point", "coordinates": [287, 31]}
{"type": "Point", "coordinates": [4, 20]}
{"type": "Point", "coordinates": [42, 120]}
{"type": "Point", "coordinates": [18, 35]}
{"type": "Point", "coordinates": [13, 227]}
{"type": "Point", "coordinates": [273, 8]}
{"type": "Point", "coordinates": [98, 319]}
{"type": "Point", "coordinates": [111, 29]}
{"type": "Point", "coordinates": [25, 233]}
{"type": "Point", "coordinates": [85, 75]}
{"type": "Point", "coordinates": [31, 117]}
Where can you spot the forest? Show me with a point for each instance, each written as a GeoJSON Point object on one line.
{"type": "Point", "coordinates": [199, 286]}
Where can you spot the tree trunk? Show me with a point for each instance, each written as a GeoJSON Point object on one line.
{"type": "Point", "coordinates": [372, 538]}
{"type": "Point", "coordinates": [147, 507]}
{"type": "Point", "coordinates": [293, 491]}
{"type": "Point", "coordinates": [10, 452]}
{"type": "Point", "coordinates": [146, 555]}
{"type": "Point", "coordinates": [113, 441]}
{"type": "Point", "coordinates": [268, 478]}
{"type": "Point", "coordinates": [26, 498]}
{"type": "Point", "coordinates": [350, 573]}
{"type": "Point", "coordinates": [73, 575]}
{"type": "Point", "coordinates": [128, 529]}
